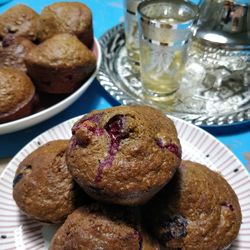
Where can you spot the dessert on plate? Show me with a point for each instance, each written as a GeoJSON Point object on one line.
{"type": "Point", "coordinates": [13, 52]}
{"type": "Point", "coordinates": [43, 187]}
{"type": "Point", "coordinates": [102, 227]}
{"type": "Point", "coordinates": [19, 21]}
{"type": "Point", "coordinates": [67, 17]}
{"type": "Point", "coordinates": [128, 156]}
{"type": "Point", "coordinates": [124, 154]}
{"type": "Point", "coordinates": [198, 209]}
{"type": "Point", "coordinates": [17, 94]}
{"type": "Point", "coordinates": [54, 49]}
{"type": "Point", "coordinates": [60, 64]}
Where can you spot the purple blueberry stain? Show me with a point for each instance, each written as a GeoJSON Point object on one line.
{"type": "Point", "coordinates": [159, 143]}
{"type": "Point", "coordinates": [174, 227]}
{"type": "Point", "coordinates": [115, 128]}
{"type": "Point", "coordinates": [173, 148]}
{"type": "Point", "coordinates": [73, 143]}
{"type": "Point", "coordinates": [228, 205]}
{"type": "Point", "coordinates": [24, 170]}
{"type": "Point", "coordinates": [138, 235]}
{"type": "Point", "coordinates": [17, 179]}
{"type": "Point", "coordinates": [7, 40]}
{"type": "Point", "coordinates": [116, 131]}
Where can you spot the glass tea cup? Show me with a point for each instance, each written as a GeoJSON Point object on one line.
{"type": "Point", "coordinates": [131, 31]}
{"type": "Point", "coordinates": [165, 29]}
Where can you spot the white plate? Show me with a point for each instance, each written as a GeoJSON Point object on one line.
{"type": "Point", "coordinates": [43, 115]}
{"type": "Point", "coordinates": [19, 232]}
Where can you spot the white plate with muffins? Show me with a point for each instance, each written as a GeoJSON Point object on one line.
{"type": "Point", "coordinates": [47, 61]}
{"type": "Point", "coordinates": [110, 145]}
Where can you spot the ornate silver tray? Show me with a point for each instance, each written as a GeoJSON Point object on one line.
{"type": "Point", "coordinates": [200, 105]}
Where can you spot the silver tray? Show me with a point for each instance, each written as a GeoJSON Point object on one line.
{"type": "Point", "coordinates": [198, 105]}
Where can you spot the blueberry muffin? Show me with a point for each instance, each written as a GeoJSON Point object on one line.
{"type": "Point", "coordinates": [43, 187]}
{"type": "Point", "coordinates": [67, 17]}
{"type": "Point", "coordinates": [17, 21]}
{"type": "Point", "coordinates": [16, 94]}
{"type": "Point", "coordinates": [198, 209]}
{"type": "Point", "coordinates": [99, 227]}
{"type": "Point", "coordinates": [124, 155]}
{"type": "Point", "coordinates": [60, 64]}
{"type": "Point", "coordinates": [13, 51]}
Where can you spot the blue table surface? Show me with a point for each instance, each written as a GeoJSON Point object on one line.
{"type": "Point", "coordinates": [107, 14]}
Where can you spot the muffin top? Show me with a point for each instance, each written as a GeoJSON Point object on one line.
{"type": "Point", "coordinates": [198, 209]}
{"type": "Point", "coordinates": [66, 17]}
{"type": "Point", "coordinates": [13, 51]}
{"type": "Point", "coordinates": [43, 187]}
{"type": "Point", "coordinates": [15, 91]}
{"type": "Point", "coordinates": [62, 50]}
{"type": "Point", "coordinates": [19, 20]}
{"type": "Point", "coordinates": [102, 227]}
{"type": "Point", "coordinates": [124, 149]}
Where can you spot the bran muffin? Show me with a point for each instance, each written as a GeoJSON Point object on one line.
{"type": "Point", "coordinates": [67, 17]}
{"type": "Point", "coordinates": [198, 209]}
{"type": "Point", "coordinates": [100, 227]}
{"type": "Point", "coordinates": [124, 154]}
{"type": "Point", "coordinates": [16, 94]}
{"type": "Point", "coordinates": [13, 52]}
{"type": "Point", "coordinates": [43, 187]}
{"type": "Point", "coordinates": [60, 64]}
{"type": "Point", "coordinates": [17, 21]}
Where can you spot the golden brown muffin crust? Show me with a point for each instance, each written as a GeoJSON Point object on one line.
{"type": "Point", "coordinates": [16, 92]}
{"type": "Point", "coordinates": [135, 165]}
{"type": "Point", "coordinates": [62, 50]}
{"type": "Point", "coordinates": [67, 17]}
{"type": "Point", "coordinates": [43, 186]}
{"type": "Point", "coordinates": [99, 227]}
{"type": "Point", "coordinates": [19, 20]}
{"type": "Point", "coordinates": [197, 210]}
{"type": "Point", "coordinates": [60, 64]}
{"type": "Point", "coordinates": [13, 52]}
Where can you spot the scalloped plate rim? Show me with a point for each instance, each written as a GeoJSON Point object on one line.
{"type": "Point", "coordinates": [129, 98]}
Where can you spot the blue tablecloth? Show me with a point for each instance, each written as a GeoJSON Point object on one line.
{"type": "Point", "coordinates": [106, 14]}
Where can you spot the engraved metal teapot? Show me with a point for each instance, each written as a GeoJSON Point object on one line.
{"type": "Point", "coordinates": [225, 22]}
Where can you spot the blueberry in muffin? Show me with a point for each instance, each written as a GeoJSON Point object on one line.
{"type": "Point", "coordinates": [13, 51]}
{"type": "Point", "coordinates": [124, 155]}
{"type": "Point", "coordinates": [43, 187]}
{"type": "Point", "coordinates": [19, 21]}
{"type": "Point", "coordinates": [198, 209]}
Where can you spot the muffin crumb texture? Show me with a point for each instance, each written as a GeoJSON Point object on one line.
{"type": "Point", "coordinates": [114, 155]}
{"type": "Point", "coordinates": [16, 94]}
{"type": "Point", "coordinates": [43, 187]}
{"type": "Point", "coordinates": [197, 210]}
{"type": "Point", "coordinates": [102, 227]}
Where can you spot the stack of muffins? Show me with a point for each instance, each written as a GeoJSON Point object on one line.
{"type": "Point", "coordinates": [43, 55]}
{"type": "Point", "coordinates": [120, 183]}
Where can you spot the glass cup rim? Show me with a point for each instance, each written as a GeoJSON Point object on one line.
{"type": "Point", "coordinates": [160, 22]}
